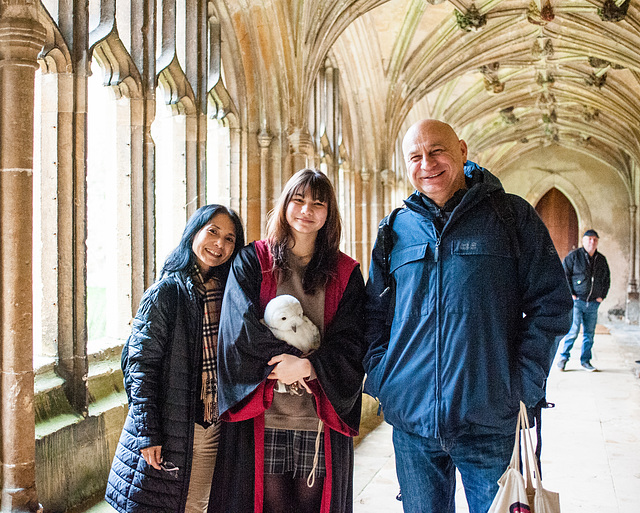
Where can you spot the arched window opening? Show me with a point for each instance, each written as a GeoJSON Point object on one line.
{"type": "Point", "coordinates": [326, 119]}
{"type": "Point", "coordinates": [561, 220]}
{"type": "Point", "coordinates": [41, 351]}
{"type": "Point", "coordinates": [346, 210]}
{"type": "Point", "coordinates": [324, 167]}
{"type": "Point", "coordinates": [218, 182]}
{"type": "Point", "coordinates": [218, 162]}
{"type": "Point", "coordinates": [325, 122]}
{"type": "Point", "coordinates": [108, 216]}
{"type": "Point", "coordinates": [169, 133]}
{"type": "Point", "coordinates": [100, 204]}
{"type": "Point", "coordinates": [46, 254]}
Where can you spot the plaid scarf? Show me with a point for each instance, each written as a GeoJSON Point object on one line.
{"type": "Point", "coordinates": [211, 293]}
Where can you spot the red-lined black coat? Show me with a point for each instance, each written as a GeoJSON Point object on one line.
{"type": "Point", "coordinates": [245, 346]}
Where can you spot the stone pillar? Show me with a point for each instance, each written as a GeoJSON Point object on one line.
{"type": "Point", "coordinates": [264, 141]}
{"type": "Point", "coordinates": [365, 202]}
{"type": "Point", "coordinates": [348, 210]}
{"type": "Point", "coordinates": [388, 179]}
{"type": "Point", "coordinates": [301, 149]}
{"type": "Point", "coordinates": [632, 311]}
{"type": "Point", "coordinates": [21, 39]}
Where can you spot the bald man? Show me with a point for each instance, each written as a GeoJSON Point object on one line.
{"type": "Point", "coordinates": [466, 303]}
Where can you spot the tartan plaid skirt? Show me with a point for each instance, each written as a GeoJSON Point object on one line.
{"type": "Point", "coordinates": [292, 451]}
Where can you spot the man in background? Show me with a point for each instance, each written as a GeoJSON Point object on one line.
{"type": "Point", "coordinates": [589, 279]}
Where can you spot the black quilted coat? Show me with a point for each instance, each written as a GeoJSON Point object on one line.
{"type": "Point", "coordinates": [161, 364]}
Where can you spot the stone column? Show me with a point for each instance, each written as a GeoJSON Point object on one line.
{"type": "Point", "coordinates": [301, 149]}
{"type": "Point", "coordinates": [348, 210]}
{"type": "Point", "coordinates": [264, 141]}
{"type": "Point", "coordinates": [21, 39]}
{"type": "Point", "coordinates": [388, 179]}
{"type": "Point", "coordinates": [632, 312]}
{"type": "Point", "coordinates": [365, 201]}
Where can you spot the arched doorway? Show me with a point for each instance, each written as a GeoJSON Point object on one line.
{"type": "Point", "coordinates": [561, 220]}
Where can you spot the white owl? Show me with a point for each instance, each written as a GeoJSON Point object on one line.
{"type": "Point", "coordinates": [286, 320]}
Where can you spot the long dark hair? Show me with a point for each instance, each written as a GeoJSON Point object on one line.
{"type": "Point", "coordinates": [327, 247]}
{"type": "Point", "coordinates": [182, 259]}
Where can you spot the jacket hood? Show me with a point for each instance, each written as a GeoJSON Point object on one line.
{"type": "Point", "coordinates": [480, 183]}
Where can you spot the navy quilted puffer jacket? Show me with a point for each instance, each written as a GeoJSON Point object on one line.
{"type": "Point", "coordinates": [160, 362]}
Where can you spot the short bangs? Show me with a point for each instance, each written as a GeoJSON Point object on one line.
{"type": "Point", "coordinates": [317, 184]}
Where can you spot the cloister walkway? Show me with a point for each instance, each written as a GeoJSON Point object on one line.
{"type": "Point", "coordinates": [591, 439]}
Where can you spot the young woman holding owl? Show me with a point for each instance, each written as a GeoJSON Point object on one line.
{"type": "Point", "coordinates": [291, 452]}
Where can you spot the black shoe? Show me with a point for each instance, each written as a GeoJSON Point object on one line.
{"type": "Point", "coordinates": [562, 362]}
{"type": "Point", "coordinates": [588, 367]}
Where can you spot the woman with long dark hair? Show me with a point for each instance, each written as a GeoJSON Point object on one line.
{"type": "Point", "coordinates": [166, 455]}
{"type": "Point", "coordinates": [292, 451]}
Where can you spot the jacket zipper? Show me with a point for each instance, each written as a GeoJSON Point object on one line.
{"type": "Point", "coordinates": [436, 255]}
{"type": "Point", "coordinates": [593, 272]}
{"type": "Point", "coordinates": [194, 380]}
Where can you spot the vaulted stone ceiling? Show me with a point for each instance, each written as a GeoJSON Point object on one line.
{"type": "Point", "coordinates": [511, 75]}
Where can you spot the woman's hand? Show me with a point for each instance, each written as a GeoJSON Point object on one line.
{"type": "Point", "coordinates": [153, 456]}
{"type": "Point", "coordinates": [291, 369]}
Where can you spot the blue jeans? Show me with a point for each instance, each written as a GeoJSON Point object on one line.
{"type": "Point", "coordinates": [426, 470]}
{"type": "Point", "coordinates": [585, 313]}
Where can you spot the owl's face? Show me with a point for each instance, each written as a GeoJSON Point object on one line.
{"type": "Point", "coordinates": [283, 313]}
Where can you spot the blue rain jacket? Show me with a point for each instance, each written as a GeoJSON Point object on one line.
{"type": "Point", "coordinates": [471, 327]}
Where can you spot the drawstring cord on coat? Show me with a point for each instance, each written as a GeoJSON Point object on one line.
{"type": "Point", "coordinates": [312, 475]}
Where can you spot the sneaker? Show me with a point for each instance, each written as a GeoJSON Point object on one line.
{"type": "Point", "coordinates": [588, 367]}
{"type": "Point", "coordinates": [562, 362]}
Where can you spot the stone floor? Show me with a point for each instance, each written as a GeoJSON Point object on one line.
{"type": "Point", "coordinates": [591, 452]}
{"type": "Point", "coordinates": [591, 439]}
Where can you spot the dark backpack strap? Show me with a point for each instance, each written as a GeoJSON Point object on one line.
{"type": "Point", "coordinates": [504, 210]}
{"type": "Point", "coordinates": [385, 238]}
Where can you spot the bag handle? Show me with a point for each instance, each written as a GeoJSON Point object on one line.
{"type": "Point", "coordinates": [515, 455]}
{"type": "Point", "coordinates": [526, 448]}
{"type": "Point", "coordinates": [529, 455]}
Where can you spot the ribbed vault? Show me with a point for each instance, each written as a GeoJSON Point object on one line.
{"type": "Point", "coordinates": [510, 75]}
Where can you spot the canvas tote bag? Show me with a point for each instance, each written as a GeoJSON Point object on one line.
{"type": "Point", "coordinates": [517, 493]}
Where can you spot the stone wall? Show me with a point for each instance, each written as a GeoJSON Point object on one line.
{"type": "Point", "coordinates": [74, 454]}
{"type": "Point", "coordinates": [598, 195]}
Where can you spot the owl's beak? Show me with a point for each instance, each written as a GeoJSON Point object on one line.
{"type": "Point", "coordinates": [294, 328]}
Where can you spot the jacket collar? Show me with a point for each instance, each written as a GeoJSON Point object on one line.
{"type": "Point", "coordinates": [586, 253]}
{"type": "Point", "coordinates": [186, 282]}
{"type": "Point", "coordinates": [480, 183]}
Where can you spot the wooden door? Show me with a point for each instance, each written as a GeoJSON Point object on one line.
{"type": "Point", "coordinates": [561, 220]}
